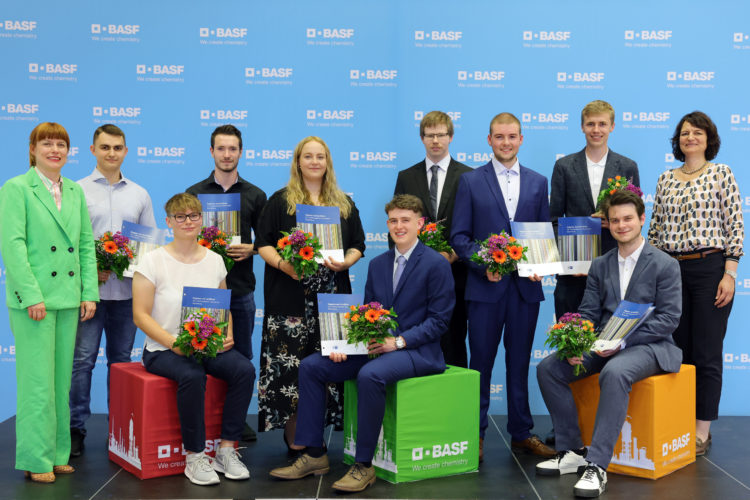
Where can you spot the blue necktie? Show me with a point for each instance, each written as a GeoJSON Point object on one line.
{"type": "Point", "coordinates": [434, 190]}
{"type": "Point", "coordinates": [400, 265]}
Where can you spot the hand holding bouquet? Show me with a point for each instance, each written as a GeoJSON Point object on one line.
{"type": "Point", "coordinates": [113, 253]}
{"type": "Point", "coordinates": [500, 253]}
{"type": "Point", "coordinates": [216, 240]}
{"type": "Point", "coordinates": [614, 185]}
{"type": "Point", "coordinates": [572, 337]}
{"type": "Point", "coordinates": [433, 235]}
{"type": "Point", "coordinates": [300, 249]}
{"type": "Point", "coordinates": [201, 336]}
{"type": "Point", "coordinates": [370, 322]}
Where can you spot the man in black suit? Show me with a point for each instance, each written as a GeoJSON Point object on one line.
{"type": "Point", "coordinates": [434, 180]}
{"type": "Point", "coordinates": [577, 180]}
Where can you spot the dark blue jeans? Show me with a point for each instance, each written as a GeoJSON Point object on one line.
{"type": "Point", "coordinates": [115, 318]}
{"type": "Point", "coordinates": [242, 308]}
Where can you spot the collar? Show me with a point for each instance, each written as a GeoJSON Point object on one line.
{"type": "Point", "coordinates": [443, 164]}
{"type": "Point", "coordinates": [406, 254]}
{"type": "Point", "coordinates": [601, 163]}
{"type": "Point", "coordinates": [46, 180]}
{"type": "Point", "coordinates": [501, 169]}
{"type": "Point", "coordinates": [213, 178]}
{"type": "Point", "coordinates": [634, 256]}
{"type": "Point", "coordinates": [98, 176]}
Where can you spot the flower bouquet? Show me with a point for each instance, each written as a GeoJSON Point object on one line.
{"type": "Point", "coordinates": [216, 240]}
{"type": "Point", "coordinates": [500, 253]}
{"type": "Point", "coordinates": [614, 185]}
{"type": "Point", "coordinates": [370, 322]}
{"type": "Point", "coordinates": [201, 336]}
{"type": "Point", "coordinates": [433, 235]}
{"type": "Point", "coordinates": [300, 249]}
{"type": "Point", "coordinates": [113, 253]}
{"type": "Point", "coordinates": [572, 337]}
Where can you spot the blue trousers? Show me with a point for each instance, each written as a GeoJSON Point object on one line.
{"type": "Point", "coordinates": [372, 375]}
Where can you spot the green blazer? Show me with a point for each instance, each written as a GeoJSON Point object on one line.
{"type": "Point", "coordinates": [48, 254]}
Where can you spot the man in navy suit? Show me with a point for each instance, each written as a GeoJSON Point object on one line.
{"type": "Point", "coordinates": [416, 281]}
{"type": "Point", "coordinates": [488, 199]}
{"type": "Point", "coordinates": [637, 272]}
{"type": "Point", "coordinates": [434, 180]}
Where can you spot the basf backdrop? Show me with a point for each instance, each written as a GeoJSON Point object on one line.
{"type": "Point", "coordinates": [361, 75]}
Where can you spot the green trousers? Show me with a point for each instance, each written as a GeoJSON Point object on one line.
{"type": "Point", "coordinates": [44, 364]}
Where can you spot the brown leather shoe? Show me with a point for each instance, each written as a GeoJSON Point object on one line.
{"type": "Point", "coordinates": [40, 477]}
{"type": "Point", "coordinates": [302, 467]}
{"type": "Point", "coordinates": [534, 445]}
{"type": "Point", "coordinates": [63, 469]}
{"type": "Point", "coordinates": [481, 450]}
{"type": "Point", "coordinates": [701, 447]}
{"type": "Point", "coordinates": [358, 478]}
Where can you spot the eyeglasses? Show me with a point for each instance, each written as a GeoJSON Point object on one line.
{"type": "Point", "coordinates": [435, 136]}
{"type": "Point", "coordinates": [195, 216]}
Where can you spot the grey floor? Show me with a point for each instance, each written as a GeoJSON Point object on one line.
{"type": "Point", "coordinates": [723, 474]}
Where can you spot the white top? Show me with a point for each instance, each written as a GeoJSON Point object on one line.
{"type": "Point", "coordinates": [442, 171]}
{"type": "Point", "coordinates": [510, 184]}
{"type": "Point", "coordinates": [168, 276]}
{"type": "Point", "coordinates": [596, 173]}
{"type": "Point", "coordinates": [627, 264]}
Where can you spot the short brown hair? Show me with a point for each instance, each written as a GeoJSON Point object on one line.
{"type": "Point", "coordinates": [435, 118]}
{"type": "Point", "coordinates": [623, 197]}
{"type": "Point", "coordinates": [505, 118]}
{"type": "Point", "coordinates": [46, 130]}
{"type": "Point", "coordinates": [405, 202]}
{"type": "Point", "coordinates": [110, 129]}
{"type": "Point", "coordinates": [596, 107]}
{"type": "Point", "coordinates": [182, 202]}
{"type": "Point", "coordinates": [701, 120]}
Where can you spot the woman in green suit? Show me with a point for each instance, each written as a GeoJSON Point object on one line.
{"type": "Point", "coordinates": [48, 250]}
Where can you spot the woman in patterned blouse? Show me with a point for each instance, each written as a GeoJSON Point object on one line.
{"type": "Point", "coordinates": [697, 219]}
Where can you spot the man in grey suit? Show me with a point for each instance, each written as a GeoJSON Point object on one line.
{"type": "Point", "coordinates": [577, 180]}
{"type": "Point", "coordinates": [637, 272]}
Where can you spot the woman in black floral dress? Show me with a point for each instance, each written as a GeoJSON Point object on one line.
{"type": "Point", "coordinates": [290, 325]}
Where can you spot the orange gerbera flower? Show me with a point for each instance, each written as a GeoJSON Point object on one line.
{"type": "Point", "coordinates": [384, 312]}
{"type": "Point", "coordinates": [190, 327]}
{"type": "Point", "coordinates": [220, 241]}
{"type": "Point", "coordinates": [499, 256]}
{"type": "Point", "coordinates": [307, 253]}
{"type": "Point", "coordinates": [431, 227]}
{"type": "Point", "coordinates": [515, 252]}
{"type": "Point", "coordinates": [283, 242]}
{"type": "Point", "coordinates": [355, 318]}
{"type": "Point", "coordinates": [372, 315]}
{"type": "Point", "coordinates": [511, 239]}
{"type": "Point", "coordinates": [612, 191]}
{"type": "Point", "coordinates": [217, 330]}
{"type": "Point", "coordinates": [617, 177]}
{"type": "Point", "coordinates": [197, 344]}
{"type": "Point", "coordinates": [110, 246]}
{"type": "Point", "coordinates": [346, 315]}
{"type": "Point", "coordinates": [204, 243]}
{"type": "Point", "coordinates": [352, 308]}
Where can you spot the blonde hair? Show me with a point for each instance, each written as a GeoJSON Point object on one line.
{"type": "Point", "coordinates": [330, 193]}
{"type": "Point", "coordinates": [182, 202]}
{"type": "Point", "coordinates": [505, 119]}
{"type": "Point", "coordinates": [598, 107]}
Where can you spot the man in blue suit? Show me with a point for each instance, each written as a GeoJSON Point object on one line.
{"type": "Point", "coordinates": [637, 272]}
{"type": "Point", "coordinates": [488, 199]}
{"type": "Point", "coordinates": [417, 282]}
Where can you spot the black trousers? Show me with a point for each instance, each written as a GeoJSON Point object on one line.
{"type": "Point", "coordinates": [569, 294]}
{"type": "Point", "coordinates": [453, 342]}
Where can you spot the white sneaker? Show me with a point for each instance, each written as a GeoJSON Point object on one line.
{"type": "Point", "coordinates": [228, 462]}
{"type": "Point", "coordinates": [565, 462]}
{"type": "Point", "coordinates": [592, 483]}
{"type": "Point", "coordinates": [198, 469]}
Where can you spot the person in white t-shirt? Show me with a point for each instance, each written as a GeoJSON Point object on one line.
{"type": "Point", "coordinates": [157, 300]}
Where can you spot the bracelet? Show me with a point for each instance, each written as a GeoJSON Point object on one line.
{"type": "Point", "coordinates": [278, 266]}
{"type": "Point", "coordinates": [733, 274]}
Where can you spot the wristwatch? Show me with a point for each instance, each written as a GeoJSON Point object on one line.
{"type": "Point", "coordinates": [400, 342]}
{"type": "Point", "coordinates": [733, 274]}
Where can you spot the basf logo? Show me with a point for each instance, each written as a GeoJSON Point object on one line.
{"type": "Point", "coordinates": [455, 117]}
{"type": "Point", "coordinates": [373, 77]}
{"type": "Point", "coordinates": [484, 78]}
{"type": "Point", "coordinates": [690, 79]}
{"type": "Point", "coordinates": [645, 38]}
{"type": "Point", "coordinates": [268, 75]}
{"type": "Point", "coordinates": [545, 121]}
{"type": "Point", "coordinates": [53, 71]}
{"type": "Point", "coordinates": [118, 115]}
{"type": "Point", "coordinates": [168, 73]}
{"type": "Point", "coordinates": [645, 119]}
{"type": "Point", "coordinates": [222, 35]}
{"type": "Point", "coordinates": [444, 39]}
{"type": "Point", "coordinates": [330, 117]}
{"type": "Point", "coordinates": [15, 111]}
{"type": "Point", "coordinates": [330, 37]}
{"type": "Point", "coordinates": [161, 155]}
{"type": "Point", "coordinates": [739, 122]}
{"type": "Point", "coordinates": [740, 41]}
{"type": "Point", "coordinates": [217, 117]}
{"type": "Point", "coordinates": [736, 360]}
{"type": "Point", "coordinates": [376, 241]}
{"type": "Point", "coordinates": [268, 157]}
{"type": "Point", "coordinates": [580, 80]}
{"type": "Point", "coordinates": [109, 32]}
{"type": "Point", "coordinates": [475, 158]}
{"type": "Point", "coordinates": [18, 28]}
{"type": "Point", "coordinates": [372, 159]}
{"type": "Point", "coordinates": [543, 39]}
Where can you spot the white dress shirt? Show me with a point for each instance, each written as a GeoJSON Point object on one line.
{"type": "Point", "coordinates": [627, 264]}
{"type": "Point", "coordinates": [596, 173]}
{"type": "Point", "coordinates": [510, 184]}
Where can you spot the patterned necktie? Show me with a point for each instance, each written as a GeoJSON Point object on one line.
{"type": "Point", "coordinates": [434, 190]}
{"type": "Point", "coordinates": [400, 265]}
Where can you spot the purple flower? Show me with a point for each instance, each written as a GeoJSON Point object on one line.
{"type": "Point", "coordinates": [362, 308]}
{"type": "Point", "coordinates": [297, 238]}
{"type": "Point", "coordinates": [568, 317]}
{"type": "Point", "coordinates": [375, 305]}
{"type": "Point", "coordinates": [634, 189]}
{"type": "Point", "coordinates": [210, 232]}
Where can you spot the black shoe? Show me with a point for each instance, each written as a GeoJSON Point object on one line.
{"type": "Point", "coordinates": [550, 438]}
{"type": "Point", "coordinates": [76, 442]}
{"type": "Point", "coordinates": [248, 434]}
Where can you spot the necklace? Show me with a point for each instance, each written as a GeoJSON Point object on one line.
{"type": "Point", "coordinates": [690, 172]}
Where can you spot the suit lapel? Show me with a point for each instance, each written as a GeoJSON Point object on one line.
{"type": "Point", "coordinates": [40, 191]}
{"type": "Point", "coordinates": [389, 262]}
{"type": "Point", "coordinates": [421, 188]}
{"type": "Point", "coordinates": [582, 174]}
{"type": "Point", "coordinates": [451, 179]}
{"type": "Point", "coordinates": [410, 265]}
{"type": "Point", "coordinates": [494, 186]}
{"type": "Point", "coordinates": [614, 275]}
{"type": "Point", "coordinates": [640, 266]}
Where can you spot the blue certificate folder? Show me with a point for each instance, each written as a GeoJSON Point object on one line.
{"type": "Point", "coordinates": [579, 242]}
{"type": "Point", "coordinates": [333, 330]}
{"type": "Point", "coordinates": [143, 239]}
{"type": "Point", "coordinates": [222, 211]}
{"type": "Point", "coordinates": [627, 317]}
{"type": "Point", "coordinates": [325, 224]}
{"type": "Point", "coordinates": [214, 300]}
{"type": "Point", "coordinates": [542, 257]}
